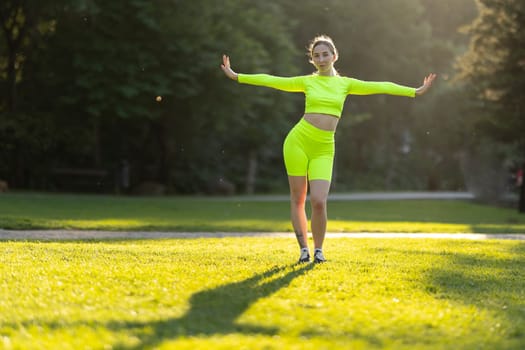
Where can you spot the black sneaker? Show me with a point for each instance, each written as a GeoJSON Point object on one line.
{"type": "Point", "coordinates": [305, 256]}
{"type": "Point", "coordinates": [319, 257]}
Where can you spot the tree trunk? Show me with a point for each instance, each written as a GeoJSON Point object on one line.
{"type": "Point", "coordinates": [251, 174]}
{"type": "Point", "coordinates": [15, 32]}
{"type": "Point", "coordinates": [161, 136]}
{"type": "Point", "coordinates": [11, 81]}
{"type": "Point", "coordinates": [97, 157]}
{"type": "Point", "coordinates": [521, 206]}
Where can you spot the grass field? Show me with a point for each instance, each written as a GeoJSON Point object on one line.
{"type": "Point", "coordinates": [247, 293]}
{"type": "Point", "coordinates": [48, 211]}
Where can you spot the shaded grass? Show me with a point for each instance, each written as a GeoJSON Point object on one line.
{"type": "Point", "coordinates": [191, 214]}
{"type": "Point", "coordinates": [247, 293]}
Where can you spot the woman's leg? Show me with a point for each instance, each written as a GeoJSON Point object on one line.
{"type": "Point", "coordinates": [318, 198]}
{"type": "Point", "coordinates": [298, 191]}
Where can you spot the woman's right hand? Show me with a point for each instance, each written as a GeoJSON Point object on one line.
{"type": "Point", "coordinates": [427, 83]}
{"type": "Point", "coordinates": [226, 68]}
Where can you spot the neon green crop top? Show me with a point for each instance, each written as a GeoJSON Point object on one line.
{"type": "Point", "coordinates": [326, 94]}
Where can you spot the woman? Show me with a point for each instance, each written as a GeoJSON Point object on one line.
{"type": "Point", "coordinates": [309, 147]}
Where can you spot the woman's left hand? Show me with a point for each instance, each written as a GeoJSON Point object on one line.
{"type": "Point", "coordinates": [227, 69]}
{"type": "Point", "coordinates": [427, 82]}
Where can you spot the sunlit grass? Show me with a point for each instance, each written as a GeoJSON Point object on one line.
{"type": "Point", "coordinates": [407, 226]}
{"type": "Point", "coordinates": [194, 214]}
{"type": "Point", "coordinates": [233, 293]}
{"type": "Point", "coordinates": [99, 224]}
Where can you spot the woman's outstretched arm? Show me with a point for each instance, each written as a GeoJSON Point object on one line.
{"type": "Point", "coordinates": [290, 84]}
{"type": "Point", "coordinates": [360, 87]}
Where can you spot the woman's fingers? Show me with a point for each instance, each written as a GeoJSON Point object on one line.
{"type": "Point", "coordinates": [430, 78]}
{"type": "Point", "coordinates": [226, 61]}
{"type": "Point", "coordinates": [427, 82]}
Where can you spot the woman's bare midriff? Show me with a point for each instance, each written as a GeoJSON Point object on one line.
{"type": "Point", "coordinates": [322, 121]}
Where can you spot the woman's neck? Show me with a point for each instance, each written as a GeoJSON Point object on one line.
{"type": "Point", "coordinates": [330, 73]}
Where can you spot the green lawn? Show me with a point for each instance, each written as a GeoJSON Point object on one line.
{"type": "Point", "coordinates": [51, 211]}
{"type": "Point", "coordinates": [247, 293]}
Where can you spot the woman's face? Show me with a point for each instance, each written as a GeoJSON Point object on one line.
{"type": "Point", "coordinates": [323, 59]}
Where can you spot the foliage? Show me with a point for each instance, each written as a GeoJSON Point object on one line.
{"type": "Point", "coordinates": [90, 72]}
{"type": "Point", "coordinates": [494, 70]}
{"type": "Point", "coordinates": [247, 292]}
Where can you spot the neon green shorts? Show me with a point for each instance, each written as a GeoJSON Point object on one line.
{"type": "Point", "coordinates": [309, 151]}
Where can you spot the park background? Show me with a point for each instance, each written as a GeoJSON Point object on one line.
{"type": "Point", "coordinates": [128, 96]}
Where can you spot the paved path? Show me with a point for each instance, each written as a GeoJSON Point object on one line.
{"type": "Point", "coordinates": [90, 235]}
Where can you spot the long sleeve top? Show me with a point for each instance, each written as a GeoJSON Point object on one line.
{"type": "Point", "coordinates": [326, 94]}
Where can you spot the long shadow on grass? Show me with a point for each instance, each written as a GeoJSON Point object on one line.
{"type": "Point", "coordinates": [470, 277]}
{"type": "Point", "coordinates": [492, 283]}
{"type": "Point", "coordinates": [215, 311]}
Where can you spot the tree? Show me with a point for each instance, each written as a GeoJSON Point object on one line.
{"type": "Point", "coordinates": [25, 25]}
{"type": "Point", "coordinates": [440, 131]}
{"type": "Point", "coordinates": [101, 72]}
{"type": "Point", "coordinates": [89, 73]}
{"type": "Point", "coordinates": [494, 68]}
{"type": "Point", "coordinates": [224, 131]}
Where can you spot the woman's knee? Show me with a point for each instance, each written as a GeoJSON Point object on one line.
{"type": "Point", "coordinates": [319, 194]}
{"type": "Point", "coordinates": [298, 190]}
{"type": "Point", "coordinates": [318, 202]}
{"type": "Point", "coordinates": [298, 200]}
